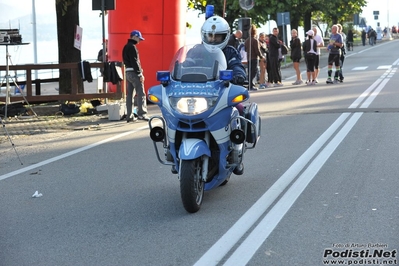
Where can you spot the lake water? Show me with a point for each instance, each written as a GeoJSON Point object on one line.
{"type": "Point", "coordinates": [47, 52]}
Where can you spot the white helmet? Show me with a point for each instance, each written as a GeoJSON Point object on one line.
{"type": "Point", "coordinates": [215, 32]}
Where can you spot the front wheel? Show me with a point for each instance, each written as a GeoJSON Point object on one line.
{"type": "Point", "coordinates": [191, 184]}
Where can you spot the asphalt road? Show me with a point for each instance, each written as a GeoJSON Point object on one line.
{"type": "Point", "coordinates": [321, 185]}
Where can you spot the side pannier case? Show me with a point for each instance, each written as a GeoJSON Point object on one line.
{"type": "Point", "coordinates": [253, 130]}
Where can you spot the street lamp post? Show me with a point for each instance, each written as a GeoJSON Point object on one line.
{"type": "Point", "coordinates": [268, 22]}
{"type": "Point", "coordinates": [388, 30]}
{"type": "Point", "coordinates": [34, 36]}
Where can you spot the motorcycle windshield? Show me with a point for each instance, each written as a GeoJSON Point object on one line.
{"type": "Point", "coordinates": [197, 64]}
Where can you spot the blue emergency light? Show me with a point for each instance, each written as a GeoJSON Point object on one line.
{"type": "Point", "coordinates": [209, 9]}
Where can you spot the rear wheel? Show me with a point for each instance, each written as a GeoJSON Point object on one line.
{"type": "Point", "coordinates": [191, 184]}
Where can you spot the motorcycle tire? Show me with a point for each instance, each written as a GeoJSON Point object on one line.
{"type": "Point", "coordinates": [191, 184]}
{"type": "Point", "coordinates": [224, 182]}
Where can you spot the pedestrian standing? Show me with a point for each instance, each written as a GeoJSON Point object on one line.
{"type": "Point", "coordinates": [320, 43]}
{"type": "Point", "coordinates": [310, 51]}
{"type": "Point", "coordinates": [372, 35]}
{"type": "Point", "coordinates": [296, 55]}
{"type": "Point", "coordinates": [100, 55]}
{"type": "Point", "coordinates": [349, 40]}
{"type": "Point", "coordinates": [135, 77]}
{"type": "Point", "coordinates": [274, 45]}
{"type": "Point", "coordinates": [364, 37]}
{"type": "Point", "coordinates": [343, 52]}
{"type": "Point", "coordinates": [263, 61]}
{"type": "Point", "coordinates": [268, 82]}
{"type": "Point", "coordinates": [234, 39]}
{"type": "Point", "coordinates": [334, 54]}
{"type": "Point", "coordinates": [253, 55]}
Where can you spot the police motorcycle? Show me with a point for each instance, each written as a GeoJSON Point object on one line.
{"type": "Point", "coordinates": [204, 129]}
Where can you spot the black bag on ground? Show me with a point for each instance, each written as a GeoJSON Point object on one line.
{"type": "Point", "coordinates": [14, 109]}
{"type": "Point", "coordinates": [69, 108]}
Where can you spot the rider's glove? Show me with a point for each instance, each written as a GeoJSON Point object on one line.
{"type": "Point", "coordinates": [238, 80]}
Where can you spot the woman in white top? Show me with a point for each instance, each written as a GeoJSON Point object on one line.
{"type": "Point", "coordinates": [320, 43]}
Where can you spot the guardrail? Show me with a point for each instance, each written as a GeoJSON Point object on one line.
{"type": "Point", "coordinates": [38, 98]}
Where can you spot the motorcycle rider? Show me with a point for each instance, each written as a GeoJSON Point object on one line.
{"type": "Point", "coordinates": [215, 33]}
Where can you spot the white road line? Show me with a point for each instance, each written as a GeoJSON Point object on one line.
{"type": "Point", "coordinates": [250, 245]}
{"type": "Point", "coordinates": [360, 68]}
{"type": "Point", "coordinates": [382, 80]}
{"type": "Point", "coordinates": [216, 253]}
{"type": "Point", "coordinates": [365, 94]}
{"type": "Point", "coordinates": [374, 94]}
{"type": "Point", "coordinates": [384, 67]}
{"type": "Point", "coordinates": [62, 156]}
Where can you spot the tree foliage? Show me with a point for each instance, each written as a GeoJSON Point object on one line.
{"type": "Point", "coordinates": [302, 12]}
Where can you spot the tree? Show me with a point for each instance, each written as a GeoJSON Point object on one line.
{"type": "Point", "coordinates": [67, 18]}
{"type": "Point", "coordinates": [340, 11]}
{"type": "Point", "coordinates": [301, 11]}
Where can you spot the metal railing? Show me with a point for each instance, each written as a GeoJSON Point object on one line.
{"type": "Point", "coordinates": [29, 69]}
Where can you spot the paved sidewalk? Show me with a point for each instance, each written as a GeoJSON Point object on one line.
{"type": "Point", "coordinates": [48, 120]}
{"type": "Point", "coordinates": [46, 124]}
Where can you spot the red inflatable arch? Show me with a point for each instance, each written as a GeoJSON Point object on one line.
{"type": "Point", "coordinates": [162, 24]}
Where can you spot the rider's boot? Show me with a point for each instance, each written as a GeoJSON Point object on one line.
{"type": "Point", "coordinates": [239, 170]}
{"type": "Point", "coordinates": [173, 170]}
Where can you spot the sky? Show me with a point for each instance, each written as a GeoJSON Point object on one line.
{"type": "Point", "coordinates": [389, 13]}
{"type": "Point", "coordinates": [43, 7]}
{"type": "Point", "coordinates": [10, 10]}
{"type": "Point", "coordinates": [47, 50]}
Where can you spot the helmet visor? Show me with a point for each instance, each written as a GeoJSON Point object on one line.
{"type": "Point", "coordinates": [214, 39]}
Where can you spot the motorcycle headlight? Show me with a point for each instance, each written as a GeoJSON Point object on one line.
{"type": "Point", "coordinates": [192, 105]}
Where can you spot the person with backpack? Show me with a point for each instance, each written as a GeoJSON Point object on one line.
{"type": "Point", "coordinates": [372, 35]}
{"type": "Point", "coordinates": [363, 36]}
{"type": "Point", "coordinates": [320, 43]}
{"type": "Point", "coordinates": [310, 51]}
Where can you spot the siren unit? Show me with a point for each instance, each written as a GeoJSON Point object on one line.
{"type": "Point", "coordinates": [11, 36]}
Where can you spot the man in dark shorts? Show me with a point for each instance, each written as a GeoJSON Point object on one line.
{"type": "Point", "coordinates": [334, 48]}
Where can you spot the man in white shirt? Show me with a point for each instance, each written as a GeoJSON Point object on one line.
{"type": "Point", "coordinates": [320, 43]}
